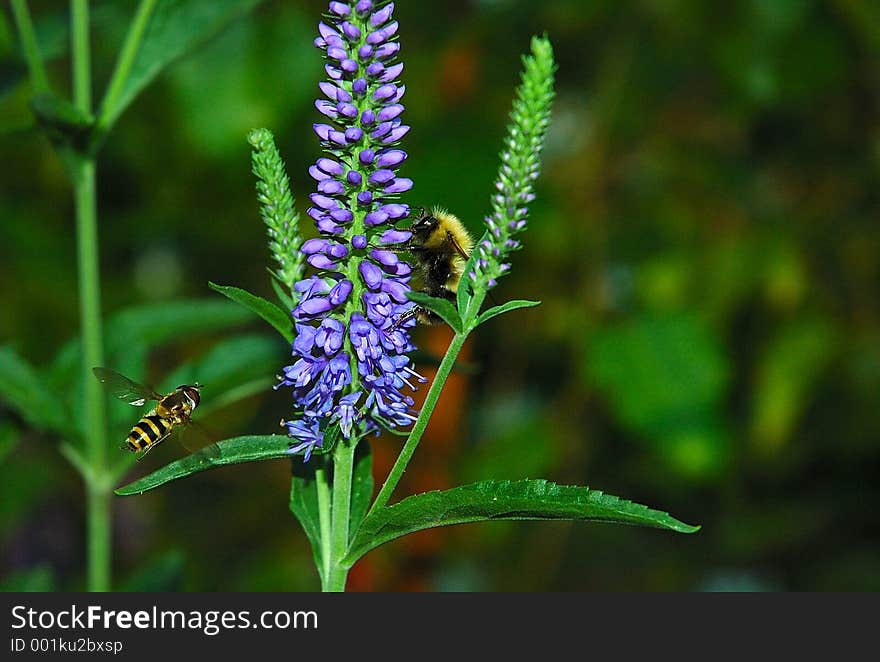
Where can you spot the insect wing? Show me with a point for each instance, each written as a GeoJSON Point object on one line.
{"type": "Point", "coordinates": [124, 388]}
{"type": "Point", "coordinates": [197, 439]}
{"type": "Point", "coordinates": [464, 255]}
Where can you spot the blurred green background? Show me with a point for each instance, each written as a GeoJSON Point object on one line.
{"type": "Point", "coordinates": [705, 243]}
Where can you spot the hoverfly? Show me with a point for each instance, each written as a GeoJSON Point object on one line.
{"type": "Point", "coordinates": [172, 410]}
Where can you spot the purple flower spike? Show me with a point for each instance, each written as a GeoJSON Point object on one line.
{"type": "Point", "coordinates": [339, 322]}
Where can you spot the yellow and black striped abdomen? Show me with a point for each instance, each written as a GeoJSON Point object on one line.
{"type": "Point", "coordinates": [149, 430]}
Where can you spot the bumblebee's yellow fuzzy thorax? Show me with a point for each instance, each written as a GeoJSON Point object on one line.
{"type": "Point", "coordinates": [449, 223]}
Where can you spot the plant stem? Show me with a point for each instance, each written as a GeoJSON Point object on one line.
{"type": "Point", "coordinates": [421, 423]}
{"type": "Point", "coordinates": [93, 355]}
{"type": "Point", "coordinates": [124, 62]}
{"type": "Point", "coordinates": [83, 175]}
{"type": "Point", "coordinates": [30, 46]}
{"type": "Point", "coordinates": [343, 468]}
{"type": "Point", "coordinates": [324, 522]}
{"type": "Point", "coordinates": [82, 61]}
{"type": "Point", "coordinates": [99, 530]}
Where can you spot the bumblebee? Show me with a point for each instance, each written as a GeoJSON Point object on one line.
{"type": "Point", "coordinates": [441, 247]}
{"type": "Point", "coordinates": [172, 410]}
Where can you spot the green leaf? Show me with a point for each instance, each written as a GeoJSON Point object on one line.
{"type": "Point", "coordinates": [228, 364]}
{"type": "Point", "coordinates": [505, 308]}
{"type": "Point", "coordinates": [26, 392]}
{"type": "Point", "coordinates": [281, 321]}
{"type": "Point", "coordinates": [304, 504]}
{"type": "Point", "coordinates": [38, 579]}
{"type": "Point", "coordinates": [465, 292]}
{"type": "Point", "coordinates": [161, 573]}
{"type": "Point", "coordinates": [505, 500]}
{"type": "Point", "coordinates": [665, 379]}
{"type": "Point", "coordinates": [152, 325]}
{"type": "Point", "coordinates": [140, 328]}
{"type": "Point", "coordinates": [175, 28]}
{"type": "Point", "coordinates": [331, 437]}
{"type": "Point", "coordinates": [23, 484]}
{"type": "Point", "coordinates": [361, 486]}
{"type": "Point", "coordinates": [440, 306]}
{"type": "Point", "coordinates": [228, 451]}
{"type": "Point", "coordinates": [283, 296]}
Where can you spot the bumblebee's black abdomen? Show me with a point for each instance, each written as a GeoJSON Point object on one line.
{"type": "Point", "coordinates": [438, 271]}
{"type": "Point", "coordinates": [147, 432]}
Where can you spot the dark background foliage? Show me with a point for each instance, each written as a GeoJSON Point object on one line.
{"type": "Point", "coordinates": [705, 242]}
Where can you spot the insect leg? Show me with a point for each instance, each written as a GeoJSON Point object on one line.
{"type": "Point", "coordinates": [408, 315]}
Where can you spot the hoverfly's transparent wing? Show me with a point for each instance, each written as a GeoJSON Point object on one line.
{"type": "Point", "coordinates": [197, 439]}
{"type": "Point", "coordinates": [142, 454]}
{"type": "Point", "coordinates": [124, 388]}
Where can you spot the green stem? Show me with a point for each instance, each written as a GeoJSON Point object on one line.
{"type": "Point", "coordinates": [30, 46]}
{"type": "Point", "coordinates": [82, 61]}
{"type": "Point", "coordinates": [93, 355]}
{"type": "Point", "coordinates": [83, 175]}
{"type": "Point", "coordinates": [421, 423]}
{"type": "Point", "coordinates": [343, 468]}
{"type": "Point", "coordinates": [125, 60]}
{"type": "Point", "coordinates": [99, 530]}
{"type": "Point", "coordinates": [324, 521]}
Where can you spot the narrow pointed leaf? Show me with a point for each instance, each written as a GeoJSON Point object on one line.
{"type": "Point", "coordinates": [23, 389]}
{"type": "Point", "coordinates": [229, 364]}
{"type": "Point", "coordinates": [132, 332]}
{"type": "Point", "coordinates": [440, 306]}
{"type": "Point", "coordinates": [175, 28]}
{"type": "Point", "coordinates": [154, 324]}
{"type": "Point", "coordinates": [283, 297]}
{"type": "Point", "coordinates": [511, 500]}
{"type": "Point", "coordinates": [304, 505]}
{"type": "Point", "coordinates": [281, 321]}
{"type": "Point", "coordinates": [228, 451]}
{"type": "Point", "coordinates": [505, 308]}
{"type": "Point", "coordinates": [464, 293]}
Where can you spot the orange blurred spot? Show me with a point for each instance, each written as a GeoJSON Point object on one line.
{"type": "Point", "coordinates": [458, 74]}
